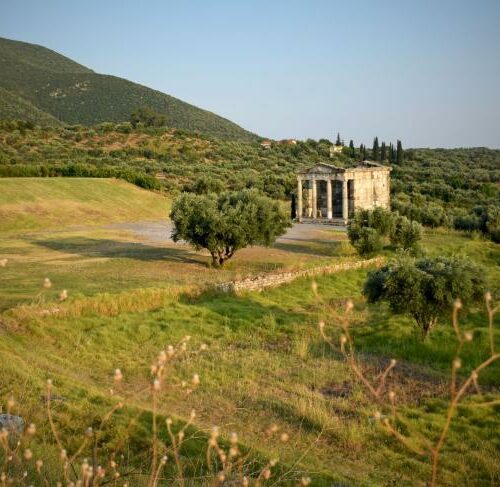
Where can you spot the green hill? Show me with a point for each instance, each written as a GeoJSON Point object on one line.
{"type": "Point", "coordinates": [13, 106]}
{"type": "Point", "coordinates": [75, 94]}
{"type": "Point", "coordinates": [28, 204]}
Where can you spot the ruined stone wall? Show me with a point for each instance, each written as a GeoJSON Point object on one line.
{"type": "Point", "coordinates": [259, 283]}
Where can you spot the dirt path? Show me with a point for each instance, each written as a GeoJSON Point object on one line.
{"type": "Point", "coordinates": [160, 231]}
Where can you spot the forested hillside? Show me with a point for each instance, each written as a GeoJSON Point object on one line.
{"type": "Point", "coordinates": [75, 94]}
{"type": "Point", "coordinates": [438, 187]}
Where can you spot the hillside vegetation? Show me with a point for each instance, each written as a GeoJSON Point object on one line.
{"type": "Point", "coordinates": [437, 187]}
{"type": "Point", "coordinates": [13, 106]}
{"type": "Point", "coordinates": [75, 94]}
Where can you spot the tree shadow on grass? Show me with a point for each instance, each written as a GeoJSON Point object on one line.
{"type": "Point", "coordinates": [93, 247]}
{"type": "Point", "coordinates": [316, 247]}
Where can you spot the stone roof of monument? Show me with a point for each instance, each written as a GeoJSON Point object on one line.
{"type": "Point", "coordinates": [323, 167]}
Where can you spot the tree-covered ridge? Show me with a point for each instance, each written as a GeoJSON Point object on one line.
{"type": "Point", "coordinates": [13, 106]}
{"type": "Point", "coordinates": [75, 94]}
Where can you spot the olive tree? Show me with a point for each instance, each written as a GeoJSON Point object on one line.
{"type": "Point", "coordinates": [425, 288]}
{"type": "Point", "coordinates": [405, 233]}
{"type": "Point", "coordinates": [225, 223]}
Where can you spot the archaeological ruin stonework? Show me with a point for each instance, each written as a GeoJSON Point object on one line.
{"type": "Point", "coordinates": [331, 194]}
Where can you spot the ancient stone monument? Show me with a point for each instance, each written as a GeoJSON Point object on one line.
{"type": "Point", "coordinates": [331, 194]}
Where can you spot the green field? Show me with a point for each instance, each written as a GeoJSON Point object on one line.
{"type": "Point", "coordinates": [266, 363]}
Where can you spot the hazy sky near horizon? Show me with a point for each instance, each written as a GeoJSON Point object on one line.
{"type": "Point", "coordinates": [426, 72]}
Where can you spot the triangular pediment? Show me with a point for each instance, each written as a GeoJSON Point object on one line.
{"type": "Point", "coordinates": [322, 168]}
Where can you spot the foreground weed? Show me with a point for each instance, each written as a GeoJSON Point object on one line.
{"type": "Point", "coordinates": [388, 414]}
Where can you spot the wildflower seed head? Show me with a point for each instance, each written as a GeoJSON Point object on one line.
{"type": "Point", "coordinates": [393, 362]}
{"type": "Point", "coordinates": [168, 421]}
{"type": "Point", "coordinates": [154, 369]}
{"type": "Point", "coordinates": [181, 435]}
{"type": "Point", "coordinates": [321, 325]}
{"type": "Point", "coordinates": [266, 474]}
{"type": "Point", "coordinates": [457, 304]}
{"type": "Point", "coordinates": [112, 464]}
{"type": "Point", "coordinates": [47, 284]}
{"type": "Point", "coordinates": [11, 402]}
{"type": "Point", "coordinates": [343, 339]}
{"type": "Point", "coordinates": [314, 287]}
{"type": "Point", "coordinates": [377, 415]}
{"type": "Point", "coordinates": [162, 357]}
{"type": "Point", "coordinates": [192, 415]}
{"type": "Point", "coordinates": [203, 347]}
{"type": "Point", "coordinates": [28, 454]}
{"type": "Point", "coordinates": [284, 437]}
{"type": "Point", "coordinates": [457, 363]}
{"type": "Point", "coordinates": [49, 383]}
{"type": "Point", "coordinates": [63, 295]}
{"type": "Point", "coordinates": [64, 454]}
{"type": "Point", "coordinates": [31, 430]}
{"type": "Point", "coordinates": [349, 305]}
{"type": "Point", "coordinates": [196, 380]}
{"type": "Point", "coordinates": [392, 395]}
{"type": "Point", "coordinates": [305, 481]}
{"type": "Point", "coordinates": [156, 385]}
{"type": "Point", "coordinates": [221, 477]}
{"type": "Point", "coordinates": [468, 336]}
{"type": "Point", "coordinates": [488, 297]}
{"type": "Point", "coordinates": [164, 460]}
{"type": "Point", "coordinates": [39, 464]}
{"type": "Point", "coordinates": [215, 432]}
{"type": "Point", "coordinates": [118, 375]}
{"type": "Point", "coordinates": [244, 482]}
{"type": "Point", "coordinates": [89, 431]}
{"type": "Point", "coordinates": [3, 262]}
{"type": "Point", "coordinates": [233, 452]}
{"type": "Point", "coordinates": [170, 350]}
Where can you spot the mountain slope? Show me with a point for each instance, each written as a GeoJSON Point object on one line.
{"type": "Point", "coordinates": [75, 94]}
{"type": "Point", "coordinates": [13, 106]}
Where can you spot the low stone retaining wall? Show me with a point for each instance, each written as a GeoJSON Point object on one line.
{"type": "Point", "coordinates": [258, 283]}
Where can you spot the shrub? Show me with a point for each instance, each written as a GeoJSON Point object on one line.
{"type": "Point", "coordinates": [425, 288]}
{"type": "Point", "coordinates": [368, 242]}
{"type": "Point", "coordinates": [406, 233]}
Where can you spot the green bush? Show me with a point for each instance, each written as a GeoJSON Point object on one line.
{"type": "Point", "coordinates": [426, 288]}
{"type": "Point", "coordinates": [405, 233]}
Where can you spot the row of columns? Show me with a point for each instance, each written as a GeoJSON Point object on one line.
{"type": "Point", "coordinates": [345, 208]}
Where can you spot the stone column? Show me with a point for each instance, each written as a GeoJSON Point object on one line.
{"type": "Point", "coordinates": [329, 199]}
{"type": "Point", "coordinates": [299, 199]}
{"type": "Point", "coordinates": [314, 198]}
{"type": "Point", "coordinates": [345, 209]}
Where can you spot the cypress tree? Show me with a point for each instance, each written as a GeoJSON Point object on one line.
{"type": "Point", "coordinates": [352, 150]}
{"type": "Point", "coordinates": [383, 152]}
{"type": "Point", "coordinates": [375, 150]}
{"type": "Point", "coordinates": [338, 141]}
{"type": "Point", "coordinates": [399, 153]}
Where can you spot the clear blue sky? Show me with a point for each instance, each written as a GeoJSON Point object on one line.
{"type": "Point", "coordinates": [427, 72]}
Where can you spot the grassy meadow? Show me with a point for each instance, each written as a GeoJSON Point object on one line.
{"type": "Point", "coordinates": [266, 364]}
